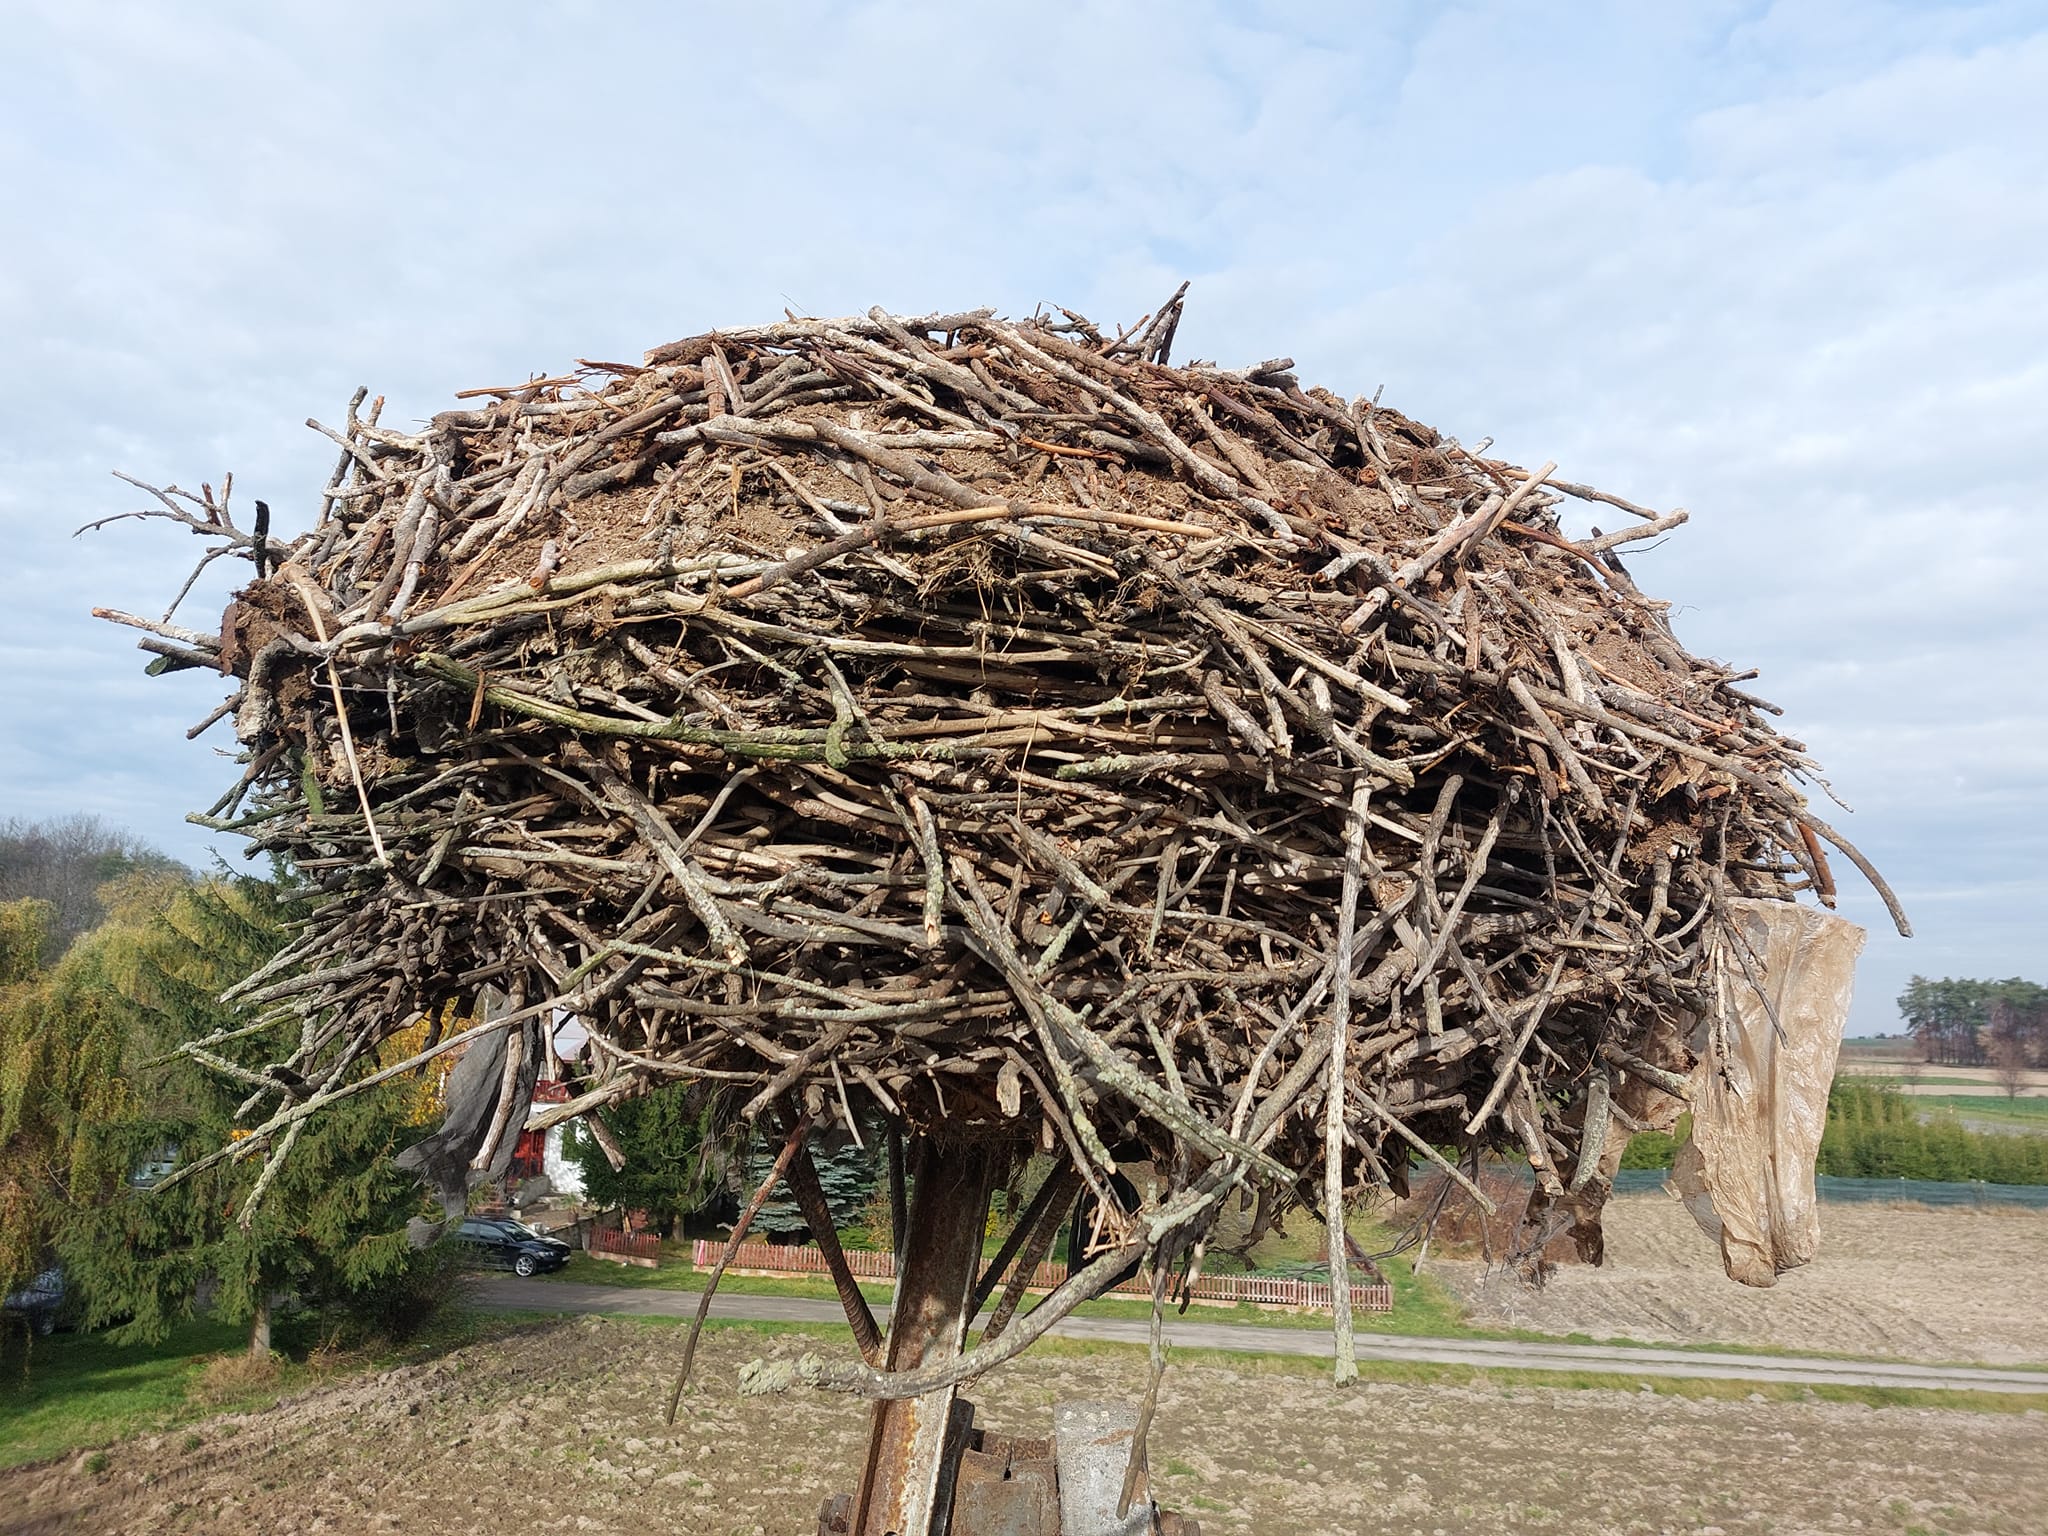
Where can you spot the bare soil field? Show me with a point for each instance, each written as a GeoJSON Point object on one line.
{"type": "Point", "coordinates": [1906, 1071]}
{"type": "Point", "coordinates": [1951, 1285]}
{"type": "Point", "coordinates": [558, 1429]}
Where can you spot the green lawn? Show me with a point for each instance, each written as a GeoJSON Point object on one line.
{"type": "Point", "coordinates": [2025, 1114]}
{"type": "Point", "coordinates": [72, 1390]}
{"type": "Point", "coordinates": [1931, 1082]}
{"type": "Point", "coordinates": [1421, 1306]}
{"type": "Point", "coordinates": [77, 1390]}
{"type": "Point", "coordinates": [1426, 1373]}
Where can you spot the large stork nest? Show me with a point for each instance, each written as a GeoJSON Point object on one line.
{"type": "Point", "coordinates": [991, 726]}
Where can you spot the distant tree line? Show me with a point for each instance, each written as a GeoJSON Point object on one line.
{"type": "Point", "coordinates": [1972, 1023]}
{"type": "Point", "coordinates": [66, 863]}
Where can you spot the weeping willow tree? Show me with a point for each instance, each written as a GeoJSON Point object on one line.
{"type": "Point", "coordinates": [63, 1077]}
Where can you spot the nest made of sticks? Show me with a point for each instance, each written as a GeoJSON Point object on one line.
{"type": "Point", "coordinates": [992, 724]}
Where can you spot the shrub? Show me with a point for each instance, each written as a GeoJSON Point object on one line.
{"type": "Point", "coordinates": [1875, 1132]}
{"type": "Point", "coordinates": [403, 1303]}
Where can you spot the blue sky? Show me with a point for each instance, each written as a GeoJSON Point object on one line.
{"type": "Point", "coordinates": [1782, 264]}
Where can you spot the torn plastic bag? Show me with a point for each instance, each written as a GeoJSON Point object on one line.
{"type": "Point", "coordinates": [488, 1094]}
{"type": "Point", "coordinates": [1760, 1089]}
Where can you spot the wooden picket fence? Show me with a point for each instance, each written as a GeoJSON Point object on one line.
{"type": "Point", "coordinates": [639, 1248]}
{"type": "Point", "coordinates": [1262, 1290]}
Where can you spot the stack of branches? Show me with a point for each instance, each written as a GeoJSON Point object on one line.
{"type": "Point", "coordinates": [996, 727]}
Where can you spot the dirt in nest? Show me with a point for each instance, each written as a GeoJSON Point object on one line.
{"type": "Point", "coordinates": [754, 512]}
{"type": "Point", "coordinates": [558, 1429]}
{"type": "Point", "coordinates": [1912, 1284]}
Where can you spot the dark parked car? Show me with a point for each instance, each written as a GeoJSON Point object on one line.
{"type": "Point", "coordinates": [39, 1302]}
{"type": "Point", "coordinates": [502, 1243]}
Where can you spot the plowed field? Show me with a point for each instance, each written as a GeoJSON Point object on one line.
{"type": "Point", "coordinates": [558, 1429]}
{"type": "Point", "coordinates": [1952, 1285]}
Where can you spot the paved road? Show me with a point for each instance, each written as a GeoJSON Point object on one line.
{"type": "Point", "coordinates": [508, 1293]}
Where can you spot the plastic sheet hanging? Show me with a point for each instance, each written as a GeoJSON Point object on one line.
{"type": "Point", "coordinates": [1760, 1092]}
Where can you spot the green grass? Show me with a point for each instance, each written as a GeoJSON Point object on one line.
{"type": "Point", "coordinates": [2031, 1114]}
{"type": "Point", "coordinates": [1422, 1309]}
{"type": "Point", "coordinates": [1425, 1374]}
{"type": "Point", "coordinates": [74, 1390]}
{"type": "Point", "coordinates": [1907, 1079]}
{"type": "Point", "coordinates": [77, 1390]}
{"type": "Point", "coordinates": [1421, 1306]}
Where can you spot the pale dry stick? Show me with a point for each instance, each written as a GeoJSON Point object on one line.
{"type": "Point", "coordinates": [1233, 716]}
{"type": "Point", "coordinates": [761, 1377]}
{"type": "Point", "coordinates": [1156, 1350]}
{"type": "Point", "coordinates": [1568, 668]}
{"type": "Point", "coordinates": [1664, 524]}
{"type": "Point", "coordinates": [662, 837]}
{"type": "Point", "coordinates": [1587, 493]}
{"type": "Point", "coordinates": [924, 360]}
{"type": "Point", "coordinates": [607, 1143]}
{"type": "Point", "coordinates": [927, 833]}
{"type": "Point", "coordinates": [348, 741]}
{"type": "Point", "coordinates": [1456, 537]}
{"type": "Point", "coordinates": [422, 547]}
{"type": "Point", "coordinates": [508, 1082]}
{"type": "Point", "coordinates": [1674, 1083]}
{"type": "Point", "coordinates": [1593, 1132]}
{"type": "Point", "coordinates": [1527, 1120]}
{"type": "Point", "coordinates": [790, 1144]}
{"type": "Point", "coordinates": [271, 1167]}
{"type": "Point", "coordinates": [411, 518]}
{"type": "Point", "coordinates": [1400, 1128]}
{"type": "Point", "coordinates": [163, 627]}
{"type": "Point", "coordinates": [341, 465]}
{"type": "Point", "coordinates": [1333, 1105]}
{"type": "Point", "coordinates": [1515, 498]}
{"type": "Point", "coordinates": [981, 917]}
{"type": "Point", "coordinates": [1547, 727]}
{"type": "Point", "coordinates": [1272, 690]}
{"type": "Point", "coordinates": [885, 385]}
{"type": "Point", "coordinates": [1057, 1020]}
{"type": "Point", "coordinates": [1426, 968]}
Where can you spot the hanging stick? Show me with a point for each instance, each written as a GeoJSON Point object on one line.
{"type": "Point", "coordinates": [791, 1144]}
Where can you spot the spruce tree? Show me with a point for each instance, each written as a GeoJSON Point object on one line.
{"type": "Point", "coordinates": [329, 1232]}
{"type": "Point", "coordinates": [849, 1174]}
{"type": "Point", "coordinates": [675, 1156]}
